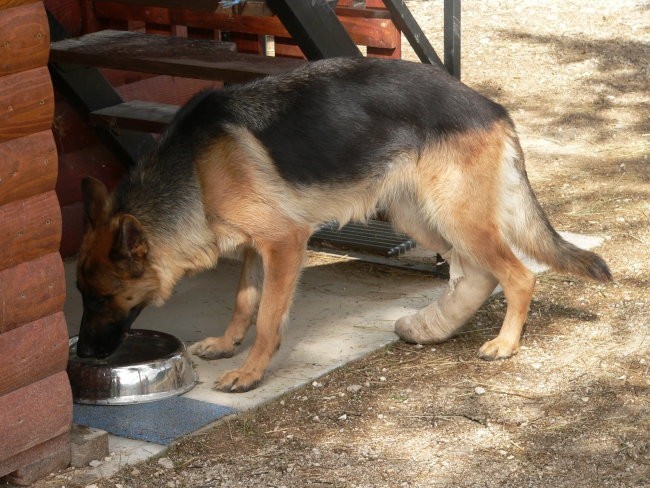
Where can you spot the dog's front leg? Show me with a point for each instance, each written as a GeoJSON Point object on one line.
{"type": "Point", "coordinates": [248, 296]}
{"type": "Point", "coordinates": [282, 264]}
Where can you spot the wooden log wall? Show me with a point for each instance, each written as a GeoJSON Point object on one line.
{"type": "Point", "coordinates": [35, 396]}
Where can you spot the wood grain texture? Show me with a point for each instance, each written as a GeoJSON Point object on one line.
{"type": "Point", "coordinates": [32, 352]}
{"type": "Point", "coordinates": [364, 30]}
{"type": "Point", "coordinates": [73, 229]}
{"type": "Point", "coordinates": [26, 103]}
{"type": "Point", "coordinates": [67, 13]}
{"type": "Point", "coordinates": [71, 132]}
{"type": "Point", "coordinates": [28, 166]}
{"type": "Point", "coordinates": [31, 290]}
{"type": "Point", "coordinates": [5, 4]}
{"type": "Point", "coordinates": [32, 228]}
{"type": "Point", "coordinates": [191, 58]}
{"type": "Point", "coordinates": [24, 38]}
{"type": "Point", "coordinates": [96, 161]}
{"type": "Point", "coordinates": [165, 89]}
{"type": "Point", "coordinates": [34, 414]}
{"type": "Point", "coordinates": [28, 466]}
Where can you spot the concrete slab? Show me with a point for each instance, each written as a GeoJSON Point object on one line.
{"type": "Point", "coordinates": [341, 312]}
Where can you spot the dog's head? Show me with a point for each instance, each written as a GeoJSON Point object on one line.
{"type": "Point", "coordinates": [114, 274]}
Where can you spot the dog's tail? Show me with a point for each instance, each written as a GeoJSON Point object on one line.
{"type": "Point", "coordinates": [528, 227]}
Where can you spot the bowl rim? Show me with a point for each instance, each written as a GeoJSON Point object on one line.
{"type": "Point", "coordinates": [180, 353]}
{"type": "Point", "coordinates": [72, 341]}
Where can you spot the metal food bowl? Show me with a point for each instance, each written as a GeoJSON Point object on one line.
{"type": "Point", "coordinates": [148, 366]}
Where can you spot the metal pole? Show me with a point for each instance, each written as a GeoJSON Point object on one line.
{"type": "Point", "coordinates": [452, 37]}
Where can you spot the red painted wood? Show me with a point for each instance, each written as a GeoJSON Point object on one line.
{"type": "Point", "coordinates": [32, 352]}
{"type": "Point", "coordinates": [32, 228]}
{"type": "Point", "coordinates": [70, 130]}
{"type": "Point", "coordinates": [34, 414]}
{"type": "Point", "coordinates": [26, 103]}
{"type": "Point", "coordinates": [25, 38]}
{"type": "Point", "coordinates": [97, 161]}
{"type": "Point", "coordinates": [364, 31]}
{"type": "Point", "coordinates": [67, 13]}
{"type": "Point", "coordinates": [165, 89]}
{"type": "Point", "coordinates": [73, 229]}
{"type": "Point", "coordinates": [28, 166]}
{"type": "Point", "coordinates": [32, 464]}
{"type": "Point", "coordinates": [30, 291]}
{"type": "Point", "coordinates": [4, 4]}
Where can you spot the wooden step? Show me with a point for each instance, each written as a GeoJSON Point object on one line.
{"type": "Point", "coordinates": [135, 115]}
{"type": "Point", "coordinates": [167, 55]}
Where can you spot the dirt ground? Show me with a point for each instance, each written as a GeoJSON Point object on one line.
{"type": "Point", "coordinates": [572, 409]}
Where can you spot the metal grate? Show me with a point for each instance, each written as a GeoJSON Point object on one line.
{"type": "Point", "coordinates": [375, 237]}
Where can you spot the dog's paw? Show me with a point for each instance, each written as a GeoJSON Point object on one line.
{"type": "Point", "coordinates": [497, 349]}
{"type": "Point", "coordinates": [238, 381]}
{"type": "Point", "coordinates": [212, 348]}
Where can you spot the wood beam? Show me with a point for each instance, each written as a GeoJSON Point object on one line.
{"type": "Point", "coordinates": [316, 28]}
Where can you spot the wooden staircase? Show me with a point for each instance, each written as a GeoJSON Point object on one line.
{"type": "Point", "coordinates": [298, 30]}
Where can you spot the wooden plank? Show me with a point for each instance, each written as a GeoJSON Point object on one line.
{"type": "Point", "coordinates": [34, 414]}
{"type": "Point", "coordinates": [73, 229]}
{"type": "Point", "coordinates": [31, 227]}
{"type": "Point", "coordinates": [247, 43]}
{"type": "Point", "coordinates": [71, 130]}
{"type": "Point", "coordinates": [197, 58]}
{"type": "Point", "coordinates": [88, 90]}
{"type": "Point", "coordinates": [67, 13]}
{"type": "Point", "coordinates": [27, 102]}
{"type": "Point", "coordinates": [373, 30]}
{"type": "Point", "coordinates": [249, 8]}
{"type": "Point", "coordinates": [95, 160]}
{"type": "Point", "coordinates": [33, 352]}
{"type": "Point", "coordinates": [28, 166]}
{"type": "Point", "coordinates": [165, 89]}
{"type": "Point", "coordinates": [368, 13]}
{"type": "Point", "coordinates": [4, 4]}
{"type": "Point", "coordinates": [26, 467]}
{"type": "Point", "coordinates": [30, 291]}
{"type": "Point", "coordinates": [136, 115]}
{"type": "Point", "coordinates": [24, 38]}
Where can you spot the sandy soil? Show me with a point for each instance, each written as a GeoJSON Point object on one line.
{"type": "Point", "coordinates": [572, 409]}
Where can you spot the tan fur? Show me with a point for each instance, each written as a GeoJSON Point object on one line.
{"type": "Point", "coordinates": [452, 186]}
{"type": "Point", "coordinates": [467, 187]}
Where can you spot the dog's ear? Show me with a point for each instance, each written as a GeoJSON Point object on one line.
{"type": "Point", "coordinates": [130, 246]}
{"type": "Point", "coordinates": [95, 199]}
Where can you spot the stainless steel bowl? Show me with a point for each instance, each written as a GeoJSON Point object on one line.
{"type": "Point", "coordinates": [148, 366]}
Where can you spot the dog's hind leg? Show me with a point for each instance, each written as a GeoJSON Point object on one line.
{"type": "Point", "coordinates": [469, 286]}
{"type": "Point", "coordinates": [248, 296]}
{"type": "Point", "coordinates": [518, 283]}
{"type": "Point", "coordinates": [282, 264]}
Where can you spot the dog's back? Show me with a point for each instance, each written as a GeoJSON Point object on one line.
{"type": "Point", "coordinates": [262, 165]}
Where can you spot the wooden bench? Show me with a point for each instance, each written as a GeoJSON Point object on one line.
{"type": "Point", "coordinates": [248, 24]}
{"type": "Point", "coordinates": [135, 115]}
{"type": "Point", "coordinates": [170, 55]}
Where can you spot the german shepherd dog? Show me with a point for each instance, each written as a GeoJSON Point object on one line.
{"type": "Point", "coordinates": [260, 166]}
